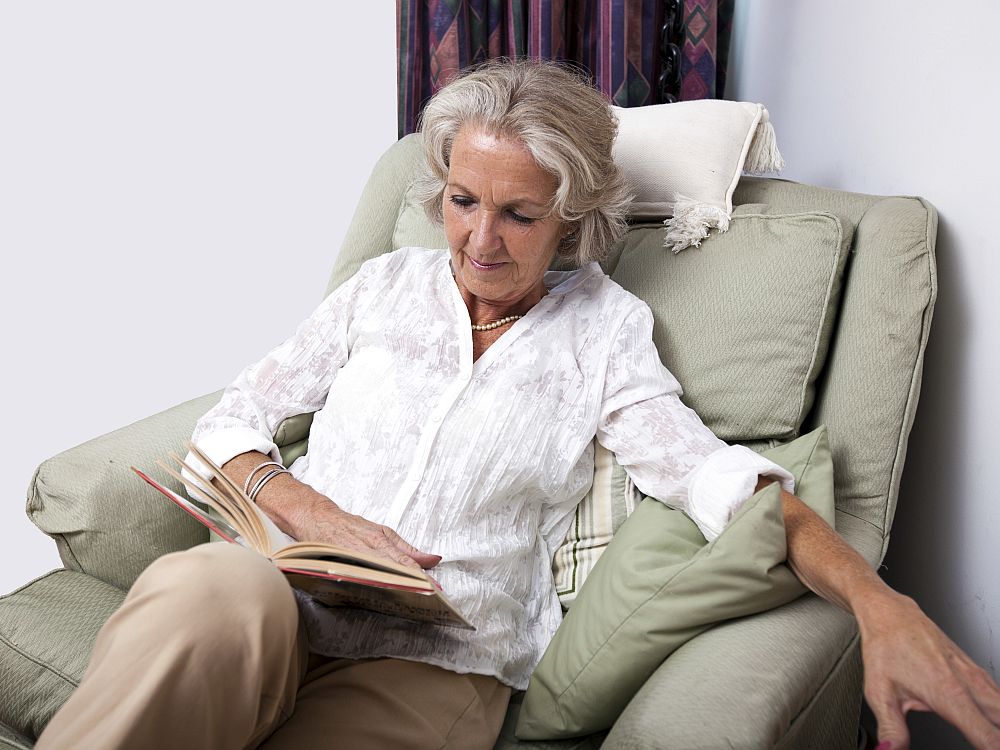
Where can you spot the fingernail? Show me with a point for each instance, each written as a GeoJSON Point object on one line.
{"type": "Point", "coordinates": [884, 745]}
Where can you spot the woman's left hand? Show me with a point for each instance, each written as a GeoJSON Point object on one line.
{"type": "Point", "coordinates": [910, 665]}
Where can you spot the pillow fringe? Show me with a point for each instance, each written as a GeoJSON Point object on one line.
{"type": "Point", "coordinates": [691, 223]}
{"type": "Point", "coordinates": [763, 155]}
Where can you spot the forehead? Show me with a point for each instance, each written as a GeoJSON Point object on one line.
{"type": "Point", "coordinates": [499, 164]}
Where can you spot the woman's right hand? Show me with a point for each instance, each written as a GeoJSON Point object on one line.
{"type": "Point", "coordinates": [328, 523]}
{"type": "Point", "coordinates": [299, 510]}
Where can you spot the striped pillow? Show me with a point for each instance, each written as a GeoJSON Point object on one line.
{"type": "Point", "coordinates": [610, 501]}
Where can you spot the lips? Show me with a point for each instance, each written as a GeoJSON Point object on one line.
{"type": "Point", "coordinates": [483, 266]}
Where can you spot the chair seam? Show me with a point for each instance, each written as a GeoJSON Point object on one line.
{"type": "Point", "coordinates": [35, 660]}
{"type": "Point", "coordinates": [859, 518]}
{"type": "Point", "coordinates": [819, 688]}
{"type": "Point", "coordinates": [33, 581]}
{"type": "Point", "coordinates": [916, 377]}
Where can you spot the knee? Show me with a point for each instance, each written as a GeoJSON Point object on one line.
{"type": "Point", "coordinates": [220, 588]}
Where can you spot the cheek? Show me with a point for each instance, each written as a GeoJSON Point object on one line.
{"type": "Point", "coordinates": [540, 249]}
{"type": "Point", "coordinates": [454, 228]}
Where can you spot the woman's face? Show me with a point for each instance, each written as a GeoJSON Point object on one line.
{"type": "Point", "coordinates": [496, 218]}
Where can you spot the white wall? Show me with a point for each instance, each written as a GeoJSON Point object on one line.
{"type": "Point", "coordinates": [165, 169]}
{"type": "Point", "coordinates": [900, 98]}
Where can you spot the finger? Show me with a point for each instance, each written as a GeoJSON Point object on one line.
{"type": "Point", "coordinates": [424, 559]}
{"type": "Point", "coordinates": [960, 709]}
{"type": "Point", "coordinates": [371, 546]}
{"type": "Point", "coordinates": [891, 723]}
{"type": "Point", "coordinates": [385, 548]}
{"type": "Point", "coordinates": [984, 691]}
{"type": "Point", "coordinates": [375, 542]}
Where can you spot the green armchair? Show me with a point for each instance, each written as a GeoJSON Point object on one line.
{"type": "Point", "coordinates": [787, 678]}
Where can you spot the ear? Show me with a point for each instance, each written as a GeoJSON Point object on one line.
{"type": "Point", "coordinates": [567, 240]}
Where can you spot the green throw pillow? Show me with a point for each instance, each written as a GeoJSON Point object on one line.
{"type": "Point", "coordinates": [659, 584]}
{"type": "Point", "coordinates": [745, 320]}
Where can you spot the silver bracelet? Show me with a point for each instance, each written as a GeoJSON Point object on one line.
{"type": "Point", "coordinates": [264, 480]}
{"type": "Point", "coordinates": [246, 484]}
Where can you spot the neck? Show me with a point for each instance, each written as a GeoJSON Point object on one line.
{"type": "Point", "coordinates": [486, 311]}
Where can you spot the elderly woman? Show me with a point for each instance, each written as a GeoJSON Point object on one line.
{"type": "Point", "coordinates": [457, 394]}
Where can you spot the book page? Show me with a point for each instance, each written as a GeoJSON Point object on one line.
{"type": "Point", "coordinates": [322, 551]}
{"type": "Point", "coordinates": [218, 525]}
{"type": "Point", "coordinates": [354, 573]}
{"type": "Point", "coordinates": [276, 538]}
{"type": "Point", "coordinates": [232, 497]}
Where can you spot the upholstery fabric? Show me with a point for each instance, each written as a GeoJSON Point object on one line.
{"type": "Point", "coordinates": [414, 228]}
{"type": "Point", "coordinates": [744, 321]}
{"type": "Point", "coordinates": [658, 585]}
{"type": "Point", "coordinates": [47, 630]}
{"type": "Point", "coordinates": [744, 683]}
{"type": "Point", "coordinates": [292, 437]}
{"type": "Point", "coordinates": [12, 740]}
{"type": "Point", "coordinates": [871, 381]}
{"type": "Point", "coordinates": [103, 519]}
{"type": "Point", "coordinates": [833, 711]}
{"type": "Point", "coordinates": [374, 223]}
{"type": "Point", "coordinates": [610, 500]}
{"type": "Point", "coordinates": [507, 740]}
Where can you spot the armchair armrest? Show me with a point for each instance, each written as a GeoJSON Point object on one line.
{"type": "Point", "coordinates": [787, 678]}
{"type": "Point", "coordinates": [105, 522]}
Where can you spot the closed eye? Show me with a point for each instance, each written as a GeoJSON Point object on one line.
{"type": "Point", "coordinates": [464, 201]}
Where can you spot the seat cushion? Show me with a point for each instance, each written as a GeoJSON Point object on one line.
{"type": "Point", "coordinates": [47, 631]}
{"type": "Point", "coordinates": [11, 740]}
{"type": "Point", "coordinates": [744, 322]}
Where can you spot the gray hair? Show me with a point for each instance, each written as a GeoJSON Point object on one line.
{"type": "Point", "coordinates": [564, 123]}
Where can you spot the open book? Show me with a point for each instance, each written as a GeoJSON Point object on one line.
{"type": "Point", "coordinates": [335, 576]}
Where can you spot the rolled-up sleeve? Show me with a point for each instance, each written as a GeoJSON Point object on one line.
{"type": "Point", "coordinates": [663, 445]}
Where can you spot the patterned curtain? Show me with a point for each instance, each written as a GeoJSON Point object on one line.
{"type": "Point", "coordinates": [616, 42]}
{"type": "Point", "coordinates": [708, 25]}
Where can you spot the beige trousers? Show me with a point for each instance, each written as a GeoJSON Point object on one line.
{"type": "Point", "coordinates": [207, 651]}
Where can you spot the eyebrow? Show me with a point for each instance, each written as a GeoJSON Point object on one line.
{"type": "Point", "coordinates": [527, 202]}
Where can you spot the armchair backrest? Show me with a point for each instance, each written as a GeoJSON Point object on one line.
{"type": "Point", "coordinates": [867, 391]}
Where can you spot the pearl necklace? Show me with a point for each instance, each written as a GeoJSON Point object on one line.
{"type": "Point", "coordinates": [496, 324]}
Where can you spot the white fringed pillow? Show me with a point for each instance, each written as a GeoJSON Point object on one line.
{"type": "Point", "coordinates": [683, 161]}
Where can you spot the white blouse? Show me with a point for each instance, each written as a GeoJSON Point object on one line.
{"type": "Point", "coordinates": [480, 462]}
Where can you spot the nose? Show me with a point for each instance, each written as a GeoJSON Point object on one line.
{"type": "Point", "coordinates": [485, 238]}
